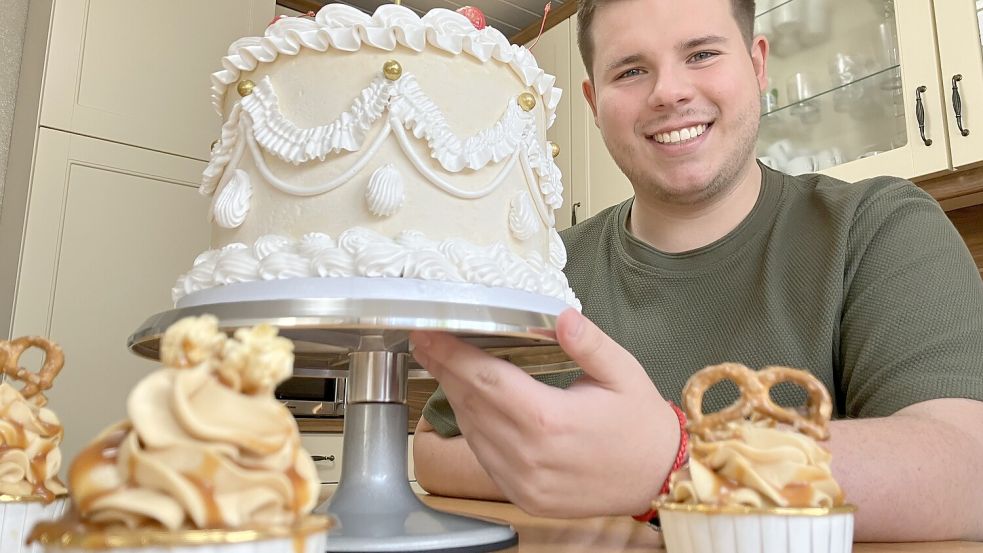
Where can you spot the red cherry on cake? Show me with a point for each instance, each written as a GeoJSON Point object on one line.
{"type": "Point", "coordinates": [475, 15]}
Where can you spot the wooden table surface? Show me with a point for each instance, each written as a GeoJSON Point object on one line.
{"type": "Point", "coordinates": [622, 534]}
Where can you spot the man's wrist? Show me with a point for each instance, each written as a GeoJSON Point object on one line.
{"type": "Point", "coordinates": [682, 456]}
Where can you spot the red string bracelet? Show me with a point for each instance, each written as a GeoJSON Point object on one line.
{"type": "Point", "coordinates": [681, 457]}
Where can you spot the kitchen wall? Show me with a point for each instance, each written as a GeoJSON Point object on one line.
{"type": "Point", "coordinates": [13, 21]}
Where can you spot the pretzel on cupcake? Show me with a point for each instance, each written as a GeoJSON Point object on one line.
{"type": "Point", "coordinates": [34, 383]}
{"type": "Point", "coordinates": [755, 399]}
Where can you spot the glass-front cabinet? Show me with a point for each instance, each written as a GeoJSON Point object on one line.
{"type": "Point", "coordinates": [856, 87]}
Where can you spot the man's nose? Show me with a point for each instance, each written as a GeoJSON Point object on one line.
{"type": "Point", "coordinates": [673, 87]}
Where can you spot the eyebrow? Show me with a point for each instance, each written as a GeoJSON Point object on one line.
{"type": "Point", "coordinates": [685, 45]}
{"type": "Point", "coordinates": [700, 41]}
{"type": "Point", "coordinates": [627, 60]}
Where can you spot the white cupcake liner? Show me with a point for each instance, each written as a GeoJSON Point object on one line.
{"type": "Point", "coordinates": [757, 531]}
{"type": "Point", "coordinates": [17, 518]}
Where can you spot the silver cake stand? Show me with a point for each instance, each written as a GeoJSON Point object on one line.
{"type": "Point", "coordinates": [358, 329]}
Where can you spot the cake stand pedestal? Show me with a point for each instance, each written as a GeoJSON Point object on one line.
{"type": "Point", "coordinates": [363, 335]}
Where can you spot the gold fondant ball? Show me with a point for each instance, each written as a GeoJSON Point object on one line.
{"type": "Point", "coordinates": [245, 88]}
{"type": "Point", "coordinates": [392, 70]}
{"type": "Point", "coordinates": [527, 101]}
{"type": "Point", "coordinates": [555, 148]}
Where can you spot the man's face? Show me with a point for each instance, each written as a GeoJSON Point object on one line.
{"type": "Point", "coordinates": [676, 95]}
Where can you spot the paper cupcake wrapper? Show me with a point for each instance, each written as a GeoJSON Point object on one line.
{"type": "Point", "coordinates": [309, 535]}
{"type": "Point", "coordinates": [756, 531]}
{"type": "Point", "coordinates": [18, 517]}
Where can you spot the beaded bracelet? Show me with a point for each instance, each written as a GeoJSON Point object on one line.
{"type": "Point", "coordinates": [681, 458]}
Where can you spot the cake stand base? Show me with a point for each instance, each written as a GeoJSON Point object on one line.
{"type": "Point", "coordinates": [375, 507]}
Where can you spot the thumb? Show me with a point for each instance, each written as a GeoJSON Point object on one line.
{"type": "Point", "coordinates": [600, 357]}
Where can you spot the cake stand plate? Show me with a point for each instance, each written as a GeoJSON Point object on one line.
{"type": "Point", "coordinates": [359, 330]}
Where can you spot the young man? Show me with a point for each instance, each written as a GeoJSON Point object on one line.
{"type": "Point", "coordinates": [717, 259]}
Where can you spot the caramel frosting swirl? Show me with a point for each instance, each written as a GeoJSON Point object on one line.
{"type": "Point", "coordinates": [206, 444]}
{"type": "Point", "coordinates": [29, 453]}
{"type": "Point", "coordinates": [757, 465]}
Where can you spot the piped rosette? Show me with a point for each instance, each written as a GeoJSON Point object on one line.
{"type": "Point", "coordinates": [207, 455]}
{"type": "Point", "coordinates": [757, 479]}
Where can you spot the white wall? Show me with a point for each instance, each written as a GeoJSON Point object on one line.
{"type": "Point", "coordinates": [13, 21]}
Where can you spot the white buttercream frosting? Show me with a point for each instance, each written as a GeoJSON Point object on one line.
{"type": "Point", "coordinates": [522, 217]}
{"type": "Point", "coordinates": [399, 139]}
{"type": "Point", "coordinates": [360, 252]}
{"type": "Point", "coordinates": [231, 205]}
{"type": "Point", "coordinates": [386, 191]}
{"type": "Point", "coordinates": [342, 27]}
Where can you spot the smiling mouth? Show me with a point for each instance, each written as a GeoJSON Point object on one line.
{"type": "Point", "coordinates": [680, 136]}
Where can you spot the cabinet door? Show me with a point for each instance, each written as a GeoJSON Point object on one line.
{"type": "Point", "coordinates": [597, 181]}
{"type": "Point", "coordinates": [553, 54]}
{"type": "Point", "coordinates": [110, 227]}
{"type": "Point", "coordinates": [137, 72]}
{"type": "Point", "coordinates": [848, 79]}
{"type": "Point", "coordinates": [959, 24]}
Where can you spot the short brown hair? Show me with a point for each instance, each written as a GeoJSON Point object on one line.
{"type": "Point", "coordinates": [743, 11]}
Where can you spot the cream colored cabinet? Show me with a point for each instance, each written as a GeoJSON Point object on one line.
{"type": "Point", "coordinates": [108, 230]}
{"type": "Point", "coordinates": [859, 89]}
{"type": "Point", "coordinates": [137, 73]}
{"type": "Point", "coordinates": [960, 41]}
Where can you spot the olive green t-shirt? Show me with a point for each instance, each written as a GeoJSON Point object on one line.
{"type": "Point", "coordinates": [867, 285]}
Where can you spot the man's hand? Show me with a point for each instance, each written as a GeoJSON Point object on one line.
{"type": "Point", "coordinates": [603, 446]}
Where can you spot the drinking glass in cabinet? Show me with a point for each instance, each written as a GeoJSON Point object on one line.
{"type": "Point", "coordinates": [834, 91]}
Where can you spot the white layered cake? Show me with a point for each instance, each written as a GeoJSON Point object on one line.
{"type": "Point", "coordinates": [390, 146]}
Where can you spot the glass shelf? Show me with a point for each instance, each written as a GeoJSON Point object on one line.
{"type": "Point", "coordinates": [877, 79]}
{"type": "Point", "coordinates": [834, 92]}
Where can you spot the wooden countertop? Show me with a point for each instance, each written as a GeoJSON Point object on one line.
{"type": "Point", "coordinates": [622, 534]}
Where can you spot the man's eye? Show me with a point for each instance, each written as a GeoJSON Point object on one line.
{"type": "Point", "coordinates": [630, 73]}
{"type": "Point", "coordinates": [702, 56]}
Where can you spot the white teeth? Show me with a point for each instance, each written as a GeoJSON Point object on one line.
{"type": "Point", "coordinates": [677, 136]}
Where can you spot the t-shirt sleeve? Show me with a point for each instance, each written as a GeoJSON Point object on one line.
{"type": "Point", "coordinates": [439, 414]}
{"type": "Point", "coordinates": [912, 322]}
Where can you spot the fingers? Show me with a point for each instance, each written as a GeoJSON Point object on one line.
{"type": "Point", "coordinates": [600, 357]}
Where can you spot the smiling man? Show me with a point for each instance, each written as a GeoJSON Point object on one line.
{"type": "Point", "coordinates": [717, 258]}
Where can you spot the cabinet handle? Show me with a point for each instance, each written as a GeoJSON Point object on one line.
{"type": "Point", "coordinates": [920, 114]}
{"type": "Point", "coordinates": [957, 103]}
{"type": "Point", "coordinates": [319, 458]}
{"type": "Point", "coordinates": [573, 214]}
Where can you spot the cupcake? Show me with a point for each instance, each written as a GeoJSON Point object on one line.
{"type": "Point", "coordinates": [29, 437]}
{"type": "Point", "coordinates": [757, 480]}
{"type": "Point", "coordinates": [208, 460]}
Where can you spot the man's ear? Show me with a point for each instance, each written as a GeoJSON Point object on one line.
{"type": "Point", "coordinates": [759, 59]}
{"type": "Point", "coordinates": [588, 89]}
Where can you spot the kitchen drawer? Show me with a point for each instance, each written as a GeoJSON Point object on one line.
{"type": "Point", "coordinates": [327, 444]}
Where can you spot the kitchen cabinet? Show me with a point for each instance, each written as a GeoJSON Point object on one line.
{"type": "Point", "coordinates": [101, 212]}
{"type": "Point", "coordinates": [858, 88]}
{"type": "Point", "coordinates": [109, 228]}
{"type": "Point", "coordinates": [138, 73]}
